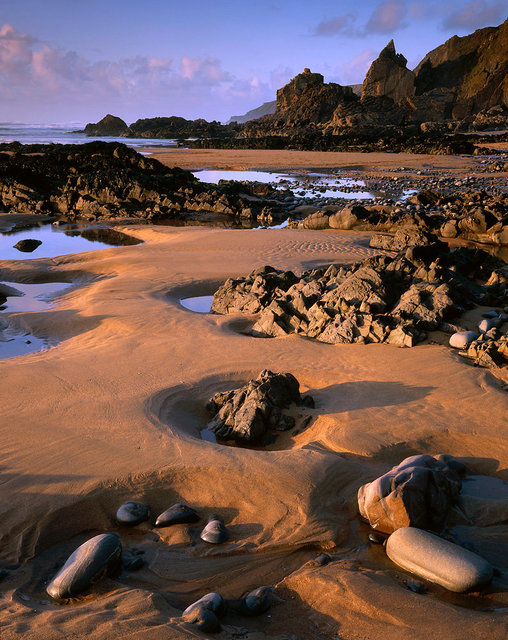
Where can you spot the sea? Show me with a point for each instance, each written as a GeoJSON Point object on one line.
{"type": "Point", "coordinates": [65, 134]}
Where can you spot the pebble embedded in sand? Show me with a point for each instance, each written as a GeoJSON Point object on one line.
{"type": "Point", "coordinates": [94, 559]}
{"type": "Point", "coordinates": [257, 601]}
{"type": "Point", "coordinates": [215, 532]}
{"type": "Point", "coordinates": [204, 614]}
{"type": "Point", "coordinates": [132, 513]}
{"type": "Point", "coordinates": [177, 514]}
{"type": "Point", "coordinates": [430, 557]}
{"type": "Point", "coordinates": [462, 339]}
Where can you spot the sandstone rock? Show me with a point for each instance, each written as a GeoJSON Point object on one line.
{"type": "Point", "coordinates": [91, 561]}
{"type": "Point", "coordinates": [418, 493]}
{"type": "Point", "coordinates": [430, 557]}
{"type": "Point", "coordinates": [388, 76]}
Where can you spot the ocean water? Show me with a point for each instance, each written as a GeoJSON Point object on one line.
{"type": "Point", "coordinates": [62, 134]}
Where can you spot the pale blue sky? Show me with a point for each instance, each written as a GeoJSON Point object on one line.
{"type": "Point", "coordinates": [64, 61]}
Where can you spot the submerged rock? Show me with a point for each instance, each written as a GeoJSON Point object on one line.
{"type": "Point", "coordinates": [249, 412]}
{"type": "Point", "coordinates": [430, 557]}
{"type": "Point", "coordinates": [215, 532]}
{"type": "Point", "coordinates": [93, 560]}
{"type": "Point", "coordinates": [177, 514]}
{"type": "Point", "coordinates": [132, 513]}
{"type": "Point", "coordinates": [418, 492]}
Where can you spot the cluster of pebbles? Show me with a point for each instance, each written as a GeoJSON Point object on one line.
{"type": "Point", "coordinates": [488, 347]}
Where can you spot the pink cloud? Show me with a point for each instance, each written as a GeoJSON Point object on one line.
{"type": "Point", "coordinates": [387, 17]}
{"type": "Point", "coordinates": [476, 14]}
{"type": "Point", "coordinates": [340, 25]}
{"type": "Point", "coordinates": [354, 71]}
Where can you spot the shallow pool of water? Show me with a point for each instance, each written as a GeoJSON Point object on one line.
{"type": "Point", "coordinates": [303, 185]}
{"type": "Point", "coordinates": [199, 304]}
{"type": "Point", "coordinates": [60, 240]}
{"type": "Point", "coordinates": [34, 297]}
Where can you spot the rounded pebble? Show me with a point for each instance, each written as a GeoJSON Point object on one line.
{"type": "Point", "coordinates": [430, 557]}
{"type": "Point", "coordinates": [205, 612]}
{"type": "Point", "coordinates": [375, 538]}
{"type": "Point", "coordinates": [215, 532]}
{"type": "Point", "coordinates": [462, 339]}
{"type": "Point", "coordinates": [132, 513]}
{"type": "Point", "coordinates": [257, 601]}
{"type": "Point", "coordinates": [177, 514]}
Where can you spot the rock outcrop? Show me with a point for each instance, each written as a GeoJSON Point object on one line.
{"type": "Point", "coordinates": [109, 180]}
{"type": "Point", "coordinates": [246, 414]}
{"type": "Point", "coordinates": [464, 76]}
{"type": "Point", "coordinates": [391, 300]}
{"type": "Point", "coordinates": [266, 109]}
{"type": "Point", "coordinates": [108, 126]}
{"type": "Point", "coordinates": [389, 76]}
{"type": "Point", "coordinates": [175, 127]}
{"type": "Point", "coordinates": [418, 492]}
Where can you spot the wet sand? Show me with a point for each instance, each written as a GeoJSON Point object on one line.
{"type": "Point", "coordinates": [375, 163]}
{"type": "Point", "coordinates": [114, 413]}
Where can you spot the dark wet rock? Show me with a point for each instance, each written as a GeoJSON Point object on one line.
{"type": "Point", "coordinates": [430, 557]}
{"type": "Point", "coordinates": [108, 126]}
{"type": "Point", "coordinates": [101, 180]}
{"type": "Point", "coordinates": [247, 413]}
{"type": "Point", "coordinates": [214, 532]}
{"type": "Point", "coordinates": [416, 587]}
{"type": "Point", "coordinates": [93, 560]}
{"type": "Point", "coordinates": [323, 559]}
{"type": "Point", "coordinates": [205, 613]}
{"type": "Point", "coordinates": [177, 514]}
{"type": "Point", "coordinates": [419, 492]}
{"type": "Point", "coordinates": [375, 538]}
{"type": "Point", "coordinates": [132, 513]}
{"type": "Point", "coordinates": [28, 245]}
{"type": "Point", "coordinates": [253, 603]}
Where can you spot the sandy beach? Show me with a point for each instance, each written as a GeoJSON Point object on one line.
{"type": "Point", "coordinates": [114, 412]}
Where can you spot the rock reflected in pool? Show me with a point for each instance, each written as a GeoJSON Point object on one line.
{"type": "Point", "coordinates": [199, 304]}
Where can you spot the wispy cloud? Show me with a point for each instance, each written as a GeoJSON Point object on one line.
{"type": "Point", "coordinates": [340, 25]}
{"type": "Point", "coordinates": [388, 17]}
{"type": "Point", "coordinates": [476, 14]}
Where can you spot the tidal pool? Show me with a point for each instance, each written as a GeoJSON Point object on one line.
{"type": "Point", "coordinates": [199, 304]}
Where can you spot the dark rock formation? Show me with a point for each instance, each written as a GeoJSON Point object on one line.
{"type": "Point", "coordinates": [28, 245]}
{"type": "Point", "coordinates": [109, 180]}
{"type": "Point", "coordinates": [403, 239]}
{"type": "Point", "coordinates": [467, 75]}
{"type": "Point", "coordinates": [247, 413]}
{"type": "Point", "coordinates": [108, 126]}
{"type": "Point", "coordinates": [179, 128]}
{"type": "Point", "coordinates": [388, 76]}
{"type": "Point", "coordinates": [418, 492]}
{"type": "Point", "coordinates": [393, 300]}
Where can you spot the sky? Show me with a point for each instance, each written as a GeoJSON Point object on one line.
{"type": "Point", "coordinates": [63, 61]}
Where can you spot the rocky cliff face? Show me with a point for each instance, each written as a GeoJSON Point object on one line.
{"type": "Point", "coordinates": [466, 75]}
{"type": "Point", "coordinates": [308, 101]}
{"type": "Point", "coordinates": [389, 76]}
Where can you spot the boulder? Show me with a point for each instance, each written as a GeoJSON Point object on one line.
{"type": "Point", "coordinates": [108, 126]}
{"type": "Point", "coordinates": [132, 513]}
{"type": "Point", "coordinates": [93, 560]}
{"type": "Point", "coordinates": [214, 532]}
{"type": "Point", "coordinates": [430, 557]}
{"type": "Point", "coordinates": [204, 614]}
{"type": "Point", "coordinates": [418, 492]}
{"type": "Point", "coordinates": [177, 514]}
{"type": "Point", "coordinates": [247, 413]}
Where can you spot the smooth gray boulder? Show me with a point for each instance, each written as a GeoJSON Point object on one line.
{"type": "Point", "coordinates": [93, 560]}
{"type": "Point", "coordinates": [177, 514]}
{"type": "Point", "coordinates": [253, 603]}
{"type": "Point", "coordinates": [462, 339]}
{"type": "Point", "coordinates": [205, 613]}
{"type": "Point", "coordinates": [430, 557]}
{"type": "Point", "coordinates": [215, 532]}
{"type": "Point", "coordinates": [132, 513]}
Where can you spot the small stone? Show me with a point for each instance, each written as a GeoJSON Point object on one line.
{"type": "Point", "coordinates": [416, 587]}
{"type": "Point", "coordinates": [215, 532]}
{"type": "Point", "coordinates": [177, 514]}
{"type": "Point", "coordinates": [28, 245]}
{"type": "Point", "coordinates": [205, 613]}
{"type": "Point", "coordinates": [462, 339]}
{"type": "Point", "coordinates": [375, 538]}
{"type": "Point", "coordinates": [323, 559]}
{"type": "Point", "coordinates": [490, 314]}
{"type": "Point", "coordinates": [132, 513]}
